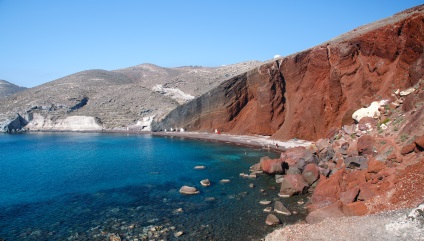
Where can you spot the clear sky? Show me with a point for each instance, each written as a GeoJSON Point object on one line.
{"type": "Point", "coordinates": [43, 40]}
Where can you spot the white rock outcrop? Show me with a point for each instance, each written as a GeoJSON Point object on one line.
{"type": "Point", "coordinates": [407, 91]}
{"type": "Point", "coordinates": [371, 111]}
{"type": "Point", "coordinates": [145, 124]}
{"type": "Point", "coordinates": [70, 123]}
{"type": "Point", "coordinates": [174, 93]}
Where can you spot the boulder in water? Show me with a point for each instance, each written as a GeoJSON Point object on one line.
{"type": "Point", "coordinates": [188, 190]}
{"type": "Point", "coordinates": [205, 183]}
{"type": "Point", "coordinates": [279, 208]}
{"type": "Point", "coordinates": [271, 219]}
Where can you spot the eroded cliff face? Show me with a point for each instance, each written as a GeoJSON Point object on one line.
{"type": "Point", "coordinates": [249, 103]}
{"type": "Point", "coordinates": [307, 94]}
{"type": "Point", "coordinates": [327, 83]}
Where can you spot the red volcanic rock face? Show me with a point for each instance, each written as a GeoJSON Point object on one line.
{"type": "Point", "coordinates": [308, 94]}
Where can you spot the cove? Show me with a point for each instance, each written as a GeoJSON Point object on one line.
{"type": "Point", "coordinates": [89, 186]}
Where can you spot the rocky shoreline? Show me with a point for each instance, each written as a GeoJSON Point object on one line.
{"type": "Point", "coordinates": [370, 167]}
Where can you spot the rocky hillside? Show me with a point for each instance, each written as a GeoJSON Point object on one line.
{"type": "Point", "coordinates": [309, 94]}
{"type": "Point", "coordinates": [7, 89]}
{"type": "Point", "coordinates": [125, 98]}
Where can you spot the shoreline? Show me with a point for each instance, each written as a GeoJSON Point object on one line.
{"type": "Point", "coordinates": [251, 141]}
{"type": "Point", "coordinates": [263, 142]}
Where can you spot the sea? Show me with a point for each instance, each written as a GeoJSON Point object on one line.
{"type": "Point", "coordinates": [106, 186]}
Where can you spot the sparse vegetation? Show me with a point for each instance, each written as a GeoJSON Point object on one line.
{"type": "Point", "coordinates": [387, 120]}
{"type": "Point", "coordinates": [403, 138]}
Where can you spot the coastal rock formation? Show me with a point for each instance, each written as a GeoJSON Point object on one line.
{"type": "Point", "coordinates": [362, 168]}
{"type": "Point", "coordinates": [307, 94]}
{"type": "Point", "coordinates": [70, 123]}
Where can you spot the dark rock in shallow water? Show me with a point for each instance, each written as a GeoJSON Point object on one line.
{"type": "Point", "coordinates": [279, 208]}
{"type": "Point", "coordinates": [178, 234]}
{"type": "Point", "coordinates": [271, 219]}
{"type": "Point", "coordinates": [264, 202]}
{"type": "Point", "coordinates": [114, 237]}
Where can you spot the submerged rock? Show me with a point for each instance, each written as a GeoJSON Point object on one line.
{"type": "Point", "coordinates": [205, 182]}
{"type": "Point", "coordinates": [114, 237]}
{"type": "Point", "coordinates": [178, 234]}
{"type": "Point", "coordinates": [188, 190]}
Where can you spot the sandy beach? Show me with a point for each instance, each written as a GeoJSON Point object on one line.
{"type": "Point", "coordinates": [257, 141]}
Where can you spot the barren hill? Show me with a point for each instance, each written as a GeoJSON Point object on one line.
{"type": "Point", "coordinates": [7, 88]}
{"type": "Point", "coordinates": [112, 99]}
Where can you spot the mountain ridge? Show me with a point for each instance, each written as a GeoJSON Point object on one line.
{"type": "Point", "coordinates": [7, 88]}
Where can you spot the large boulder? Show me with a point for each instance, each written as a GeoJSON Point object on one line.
{"type": "Point", "coordinates": [188, 190]}
{"type": "Point", "coordinates": [354, 162]}
{"type": "Point", "coordinates": [355, 209]}
{"type": "Point", "coordinates": [370, 111]}
{"type": "Point", "coordinates": [295, 152]}
{"type": "Point", "coordinates": [420, 142]}
{"type": "Point", "coordinates": [321, 144]}
{"type": "Point", "coordinates": [366, 192]}
{"type": "Point", "coordinates": [271, 166]}
{"type": "Point", "coordinates": [365, 145]}
{"type": "Point", "coordinates": [293, 184]}
{"type": "Point", "coordinates": [327, 191]}
{"type": "Point", "coordinates": [307, 157]}
{"type": "Point", "coordinates": [332, 211]}
{"type": "Point", "coordinates": [375, 166]}
{"type": "Point", "coordinates": [408, 149]}
{"type": "Point", "coordinates": [311, 173]}
{"type": "Point", "coordinates": [349, 196]}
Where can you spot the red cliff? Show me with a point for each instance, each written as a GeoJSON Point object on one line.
{"type": "Point", "coordinates": [307, 94]}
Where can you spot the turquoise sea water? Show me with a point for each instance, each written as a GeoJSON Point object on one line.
{"type": "Point", "coordinates": [87, 186]}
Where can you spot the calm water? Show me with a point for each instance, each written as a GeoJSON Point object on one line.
{"type": "Point", "coordinates": [85, 186]}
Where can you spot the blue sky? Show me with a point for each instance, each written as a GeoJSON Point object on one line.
{"type": "Point", "coordinates": [44, 40]}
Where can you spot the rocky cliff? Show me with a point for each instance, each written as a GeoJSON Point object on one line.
{"type": "Point", "coordinates": [307, 94]}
